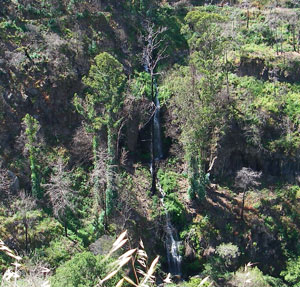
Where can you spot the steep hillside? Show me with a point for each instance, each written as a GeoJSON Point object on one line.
{"type": "Point", "coordinates": [178, 121]}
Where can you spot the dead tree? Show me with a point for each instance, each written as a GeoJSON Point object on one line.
{"type": "Point", "coordinates": [245, 179]}
{"type": "Point", "coordinates": [24, 204]}
{"type": "Point", "coordinates": [60, 192]}
{"type": "Point", "coordinates": [153, 53]}
{"type": "Point", "coordinates": [99, 182]}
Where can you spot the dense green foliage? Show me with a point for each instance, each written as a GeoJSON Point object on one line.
{"type": "Point", "coordinates": [84, 269]}
{"type": "Point", "coordinates": [291, 274]}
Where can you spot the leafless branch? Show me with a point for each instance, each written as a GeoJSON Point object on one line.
{"type": "Point", "coordinates": [153, 51]}
{"type": "Point", "coordinates": [59, 189]}
{"type": "Point", "coordinates": [24, 203]}
{"type": "Point", "coordinates": [246, 178]}
{"type": "Point", "coordinates": [123, 156]}
{"type": "Point", "coordinates": [99, 171]}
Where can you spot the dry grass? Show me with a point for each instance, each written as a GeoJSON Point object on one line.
{"type": "Point", "coordinates": [144, 273]}
{"type": "Point", "coordinates": [35, 276]}
{"type": "Point", "coordinates": [10, 274]}
{"type": "Point", "coordinates": [138, 258]}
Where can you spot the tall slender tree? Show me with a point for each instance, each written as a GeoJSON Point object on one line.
{"type": "Point", "coordinates": [100, 107]}
{"type": "Point", "coordinates": [32, 144]}
{"type": "Point", "coordinates": [198, 109]}
{"type": "Point", "coordinates": [153, 52]}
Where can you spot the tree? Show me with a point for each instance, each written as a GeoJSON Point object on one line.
{"type": "Point", "coordinates": [293, 27]}
{"type": "Point", "coordinates": [99, 179]}
{"type": "Point", "coordinates": [246, 179]}
{"type": "Point", "coordinates": [275, 21]}
{"type": "Point", "coordinates": [198, 106]}
{"type": "Point", "coordinates": [32, 127]}
{"type": "Point", "coordinates": [60, 192]}
{"type": "Point", "coordinates": [24, 205]}
{"type": "Point", "coordinates": [229, 253]}
{"type": "Point", "coordinates": [153, 53]}
{"type": "Point", "coordinates": [100, 107]}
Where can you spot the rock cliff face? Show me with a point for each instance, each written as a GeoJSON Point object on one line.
{"type": "Point", "coordinates": [235, 153]}
{"type": "Point", "coordinates": [263, 69]}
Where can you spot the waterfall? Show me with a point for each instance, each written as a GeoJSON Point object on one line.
{"type": "Point", "coordinates": [172, 242]}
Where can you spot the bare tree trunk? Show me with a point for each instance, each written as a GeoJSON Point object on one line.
{"type": "Point", "coordinates": [277, 48]}
{"type": "Point", "coordinates": [153, 167]}
{"type": "Point", "coordinates": [227, 78]}
{"type": "Point", "coordinates": [111, 188]}
{"type": "Point", "coordinates": [281, 41]}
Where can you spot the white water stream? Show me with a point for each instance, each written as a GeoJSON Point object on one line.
{"type": "Point", "coordinates": [172, 243]}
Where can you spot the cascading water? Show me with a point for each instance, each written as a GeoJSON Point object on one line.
{"type": "Point", "coordinates": [172, 242]}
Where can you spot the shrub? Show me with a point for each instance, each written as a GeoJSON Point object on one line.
{"type": "Point", "coordinates": [59, 251]}
{"type": "Point", "coordinates": [249, 277]}
{"type": "Point", "coordinates": [292, 272]}
{"type": "Point", "coordinates": [168, 181]}
{"type": "Point", "coordinates": [228, 252]}
{"type": "Point", "coordinates": [141, 85]}
{"type": "Point", "coordinates": [176, 210]}
{"type": "Point", "coordinates": [83, 270]}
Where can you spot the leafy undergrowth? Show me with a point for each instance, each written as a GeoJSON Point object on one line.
{"type": "Point", "coordinates": [268, 235]}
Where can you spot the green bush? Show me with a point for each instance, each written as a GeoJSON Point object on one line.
{"type": "Point", "coordinates": [46, 230]}
{"type": "Point", "coordinates": [249, 277]}
{"type": "Point", "coordinates": [59, 251]}
{"type": "Point", "coordinates": [228, 252]}
{"type": "Point", "coordinates": [168, 180]}
{"type": "Point", "coordinates": [83, 270]}
{"type": "Point", "coordinates": [141, 85]}
{"type": "Point", "coordinates": [292, 272]}
{"type": "Point", "coordinates": [176, 209]}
